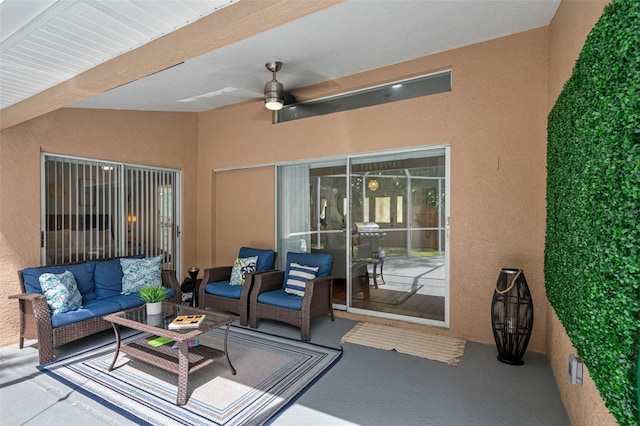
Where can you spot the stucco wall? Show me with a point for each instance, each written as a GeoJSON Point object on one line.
{"type": "Point", "coordinates": [494, 119]}
{"type": "Point", "coordinates": [567, 33]}
{"type": "Point", "coordinates": [154, 139]}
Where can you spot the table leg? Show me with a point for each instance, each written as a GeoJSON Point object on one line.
{"type": "Point", "coordinates": [375, 274]}
{"type": "Point", "coordinates": [116, 330]}
{"type": "Point", "coordinates": [226, 352]}
{"type": "Point", "coordinates": [183, 372]}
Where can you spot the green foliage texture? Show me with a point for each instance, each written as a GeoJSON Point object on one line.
{"type": "Point", "coordinates": [153, 293]}
{"type": "Point", "coordinates": [592, 256]}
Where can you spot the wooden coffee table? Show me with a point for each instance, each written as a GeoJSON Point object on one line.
{"type": "Point", "coordinates": [179, 361]}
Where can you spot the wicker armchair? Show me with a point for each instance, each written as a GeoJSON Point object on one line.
{"type": "Point", "coordinates": [268, 299]}
{"type": "Point", "coordinates": [215, 290]}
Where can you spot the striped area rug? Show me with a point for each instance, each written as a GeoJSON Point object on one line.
{"type": "Point", "coordinates": [412, 342]}
{"type": "Point", "coordinates": [272, 372]}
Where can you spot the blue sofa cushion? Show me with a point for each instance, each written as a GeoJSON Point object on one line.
{"type": "Point", "coordinates": [281, 299]}
{"type": "Point", "coordinates": [92, 309]}
{"type": "Point", "coordinates": [82, 272]}
{"type": "Point", "coordinates": [265, 257]}
{"type": "Point", "coordinates": [108, 277]}
{"type": "Point", "coordinates": [224, 289]}
{"type": "Point", "coordinates": [126, 301]}
{"type": "Point", "coordinates": [321, 260]}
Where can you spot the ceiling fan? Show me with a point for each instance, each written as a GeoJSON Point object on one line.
{"type": "Point", "coordinates": [274, 95]}
{"type": "Point", "coordinates": [246, 84]}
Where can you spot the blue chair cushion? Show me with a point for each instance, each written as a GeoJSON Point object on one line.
{"type": "Point", "coordinates": [281, 299]}
{"type": "Point", "coordinates": [322, 260]}
{"type": "Point", "coordinates": [265, 257]}
{"type": "Point", "coordinates": [224, 289]}
{"type": "Point", "coordinates": [82, 272]}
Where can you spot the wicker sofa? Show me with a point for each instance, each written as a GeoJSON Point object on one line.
{"type": "Point", "coordinates": [99, 283]}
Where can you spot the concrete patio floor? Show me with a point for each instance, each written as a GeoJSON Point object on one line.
{"type": "Point", "coordinates": [366, 387]}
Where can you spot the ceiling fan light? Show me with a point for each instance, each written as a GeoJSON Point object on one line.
{"type": "Point", "coordinates": [273, 104]}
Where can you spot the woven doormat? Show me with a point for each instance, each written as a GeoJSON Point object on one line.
{"type": "Point", "coordinates": [439, 348]}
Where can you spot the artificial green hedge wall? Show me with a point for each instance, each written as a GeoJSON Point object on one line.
{"type": "Point", "coordinates": [592, 255]}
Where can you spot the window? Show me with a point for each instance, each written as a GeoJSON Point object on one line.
{"type": "Point", "coordinates": [95, 210]}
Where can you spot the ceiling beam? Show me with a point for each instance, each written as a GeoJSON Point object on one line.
{"type": "Point", "coordinates": [236, 22]}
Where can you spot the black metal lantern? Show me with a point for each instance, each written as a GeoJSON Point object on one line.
{"type": "Point", "coordinates": [512, 316]}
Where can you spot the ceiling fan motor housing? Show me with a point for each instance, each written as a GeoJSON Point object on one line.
{"type": "Point", "coordinates": [274, 90]}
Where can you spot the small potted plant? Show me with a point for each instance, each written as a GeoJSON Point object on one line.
{"type": "Point", "coordinates": [153, 295]}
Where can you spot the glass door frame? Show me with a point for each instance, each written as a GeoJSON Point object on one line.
{"type": "Point", "coordinates": [349, 228]}
{"type": "Point", "coordinates": [405, 318]}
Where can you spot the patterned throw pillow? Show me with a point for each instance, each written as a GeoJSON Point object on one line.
{"type": "Point", "coordinates": [242, 267]}
{"type": "Point", "coordinates": [138, 273]}
{"type": "Point", "coordinates": [298, 277]}
{"type": "Point", "coordinates": [61, 291]}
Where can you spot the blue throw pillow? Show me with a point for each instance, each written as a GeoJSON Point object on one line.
{"type": "Point", "coordinates": [298, 277]}
{"type": "Point", "coordinates": [61, 291]}
{"type": "Point", "coordinates": [242, 267]}
{"type": "Point", "coordinates": [138, 273]}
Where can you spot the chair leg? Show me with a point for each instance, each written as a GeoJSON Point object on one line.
{"type": "Point", "coordinates": [305, 331]}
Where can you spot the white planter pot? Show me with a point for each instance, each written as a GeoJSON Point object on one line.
{"type": "Point", "coordinates": [154, 308]}
{"type": "Point", "coordinates": [155, 320]}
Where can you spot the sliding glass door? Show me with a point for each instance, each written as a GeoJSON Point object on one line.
{"type": "Point", "coordinates": [399, 210]}
{"type": "Point", "coordinates": [96, 210]}
{"type": "Point", "coordinates": [383, 217]}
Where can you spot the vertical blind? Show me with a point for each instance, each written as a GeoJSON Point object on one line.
{"type": "Point", "coordinates": [95, 210]}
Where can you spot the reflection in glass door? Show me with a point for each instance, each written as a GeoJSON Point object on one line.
{"type": "Point", "coordinates": [398, 211]}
